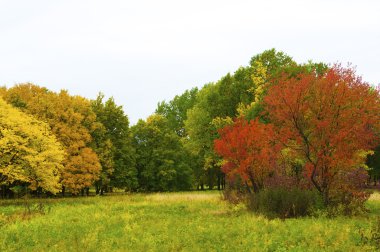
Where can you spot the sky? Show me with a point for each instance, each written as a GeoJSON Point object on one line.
{"type": "Point", "coordinates": [143, 52]}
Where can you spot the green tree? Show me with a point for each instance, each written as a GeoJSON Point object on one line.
{"type": "Point", "coordinates": [116, 130]}
{"type": "Point", "coordinates": [373, 162]}
{"type": "Point", "coordinates": [175, 111]}
{"type": "Point", "coordinates": [161, 160]}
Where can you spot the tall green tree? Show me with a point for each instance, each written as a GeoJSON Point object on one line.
{"type": "Point", "coordinates": [175, 111]}
{"type": "Point", "coordinates": [373, 163]}
{"type": "Point", "coordinates": [161, 160]}
{"type": "Point", "coordinates": [117, 132]}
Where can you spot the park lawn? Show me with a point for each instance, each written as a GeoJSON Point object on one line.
{"type": "Point", "coordinates": [189, 221]}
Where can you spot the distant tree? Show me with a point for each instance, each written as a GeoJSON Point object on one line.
{"type": "Point", "coordinates": [201, 134]}
{"type": "Point", "coordinates": [115, 141]}
{"type": "Point", "coordinates": [373, 162]}
{"type": "Point", "coordinates": [273, 61]}
{"type": "Point", "coordinates": [103, 147]}
{"type": "Point", "coordinates": [30, 153]}
{"type": "Point", "coordinates": [175, 111]}
{"type": "Point", "coordinates": [161, 160]}
{"type": "Point", "coordinates": [71, 120]}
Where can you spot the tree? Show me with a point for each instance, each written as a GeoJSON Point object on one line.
{"type": "Point", "coordinates": [234, 95]}
{"type": "Point", "coordinates": [274, 62]}
{"type": "Point", "coordinates": [160, 157]}
{"type": "Point", "coordinates": [71, 120]}
{"type": "Point", "coordinates": [123, 173]}
{"type": "Point", "coordinates": [199, 142]}
{"type": "Point", "coordinates": [30, 153]}
{"type": "Point", "coordinates": [175, 111]}
{"type": "Point", "coordinates": [249, 151]}
{"type": "Point", "coordinates": [329, 119]}
{"type": "Point", "coordinates": [103, 147]}
{"type": "Point", "coordinates": [373, 162]}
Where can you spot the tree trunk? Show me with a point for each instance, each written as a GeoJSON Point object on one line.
{"type": "Point", "coordinates": [2, 191]}
{"type": "Point", "coordinates": [326, 197]}
{"type": "Point", "coordinates": [374, 180]}
{"type": "Point", "coordinates": [219, 181]}
{"type": "Point", "coordinates": [248, 188]}
{"type": "Point", "coordinates": [224, 181]}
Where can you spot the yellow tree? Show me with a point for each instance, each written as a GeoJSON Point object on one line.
{"type": "Point", "coordinates": [29, 153]}
{"type": "Point", "coordinates": [71, 120]}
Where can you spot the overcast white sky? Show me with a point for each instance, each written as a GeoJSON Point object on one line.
{"type": "Point", "coordinates": [142, 52]}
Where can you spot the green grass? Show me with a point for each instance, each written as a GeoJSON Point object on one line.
{"type": "Point", "coordinates": [194, 221]}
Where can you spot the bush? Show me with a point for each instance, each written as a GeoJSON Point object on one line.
{"type": "Point", "coordinates": [235, 191]}
{"type": "Point", "coordinates": [348, 194]}
{"type": "Point", "coordinates": [283, 203]}
{"type": "Point", "coordinates": [348, 203]}
{"type": "Point", "coordinates": [233, 196]}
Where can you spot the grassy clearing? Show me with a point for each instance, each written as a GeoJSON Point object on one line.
{"type": "Point", "coordinates": [196, 221]}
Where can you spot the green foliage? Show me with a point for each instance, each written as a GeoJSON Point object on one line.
{"type": "Point", "coordinates": [161, 160]}
{"type": "Point", "coordinates": [275, 62]}
{"type": "Point", "coordinates": [283, 203]}
{"type": "Point", "coordinates": [114, 142]}
{"type": "Point", "coordinates": [373, 162]}
{"type": "Point", "coordinates": [175, 111]}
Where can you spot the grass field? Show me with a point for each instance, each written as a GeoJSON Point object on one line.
{"type": "Point", "coordinates": [193, 221]}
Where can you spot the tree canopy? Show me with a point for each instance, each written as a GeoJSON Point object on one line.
{"type": "Point", "coordinates": [30, 153]}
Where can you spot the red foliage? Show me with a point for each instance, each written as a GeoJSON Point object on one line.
{"type": "Point", "coordinates": [249, 150]}
{"type": "Point", "coordinates": [327, 119]}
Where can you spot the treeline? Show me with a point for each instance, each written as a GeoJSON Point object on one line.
{"type": "Point", "coordinates": [198, 116]}
{"type": "Point", "coordinates": [77, 142]}
{"type": "Point", "coordinates": [54, 143]}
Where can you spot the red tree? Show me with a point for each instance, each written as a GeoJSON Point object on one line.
{"type": "Point", "coordinates": [328, 119]}
{"type": "Point", "coordinates": [249, 151]}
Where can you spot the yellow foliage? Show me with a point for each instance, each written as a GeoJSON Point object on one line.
{"type": "Point", "coordinates": [361, 158]}
{"type": "Point", "coordinates": [220, 122]}
{"type": "Point", "coordinates": [71, 119]}
{"type": "Point", "coordinates": [259, 79]}
{"type": "Point", "coordinates": [29, 152]}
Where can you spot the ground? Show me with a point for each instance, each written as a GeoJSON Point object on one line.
{"type": "Point", "coordinates": [190, 221]}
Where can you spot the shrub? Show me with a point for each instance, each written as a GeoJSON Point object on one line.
{"type": "Point", "coordinates": [234, 193]}
{"type": "Point", "coordinates": [349, 194]}
{"type": "Point", "coordinates": [283, 203]}
{"type": "Point", "coordinates": [348, 203]}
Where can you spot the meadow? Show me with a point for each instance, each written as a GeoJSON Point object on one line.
{"type": "Point", "coordinates": [189, 221]}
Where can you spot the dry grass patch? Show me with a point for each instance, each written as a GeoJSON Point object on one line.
{"type": "Point", "coordinates": [375, 196]}
{"type": "Point", "coordinates": [185, 197]}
